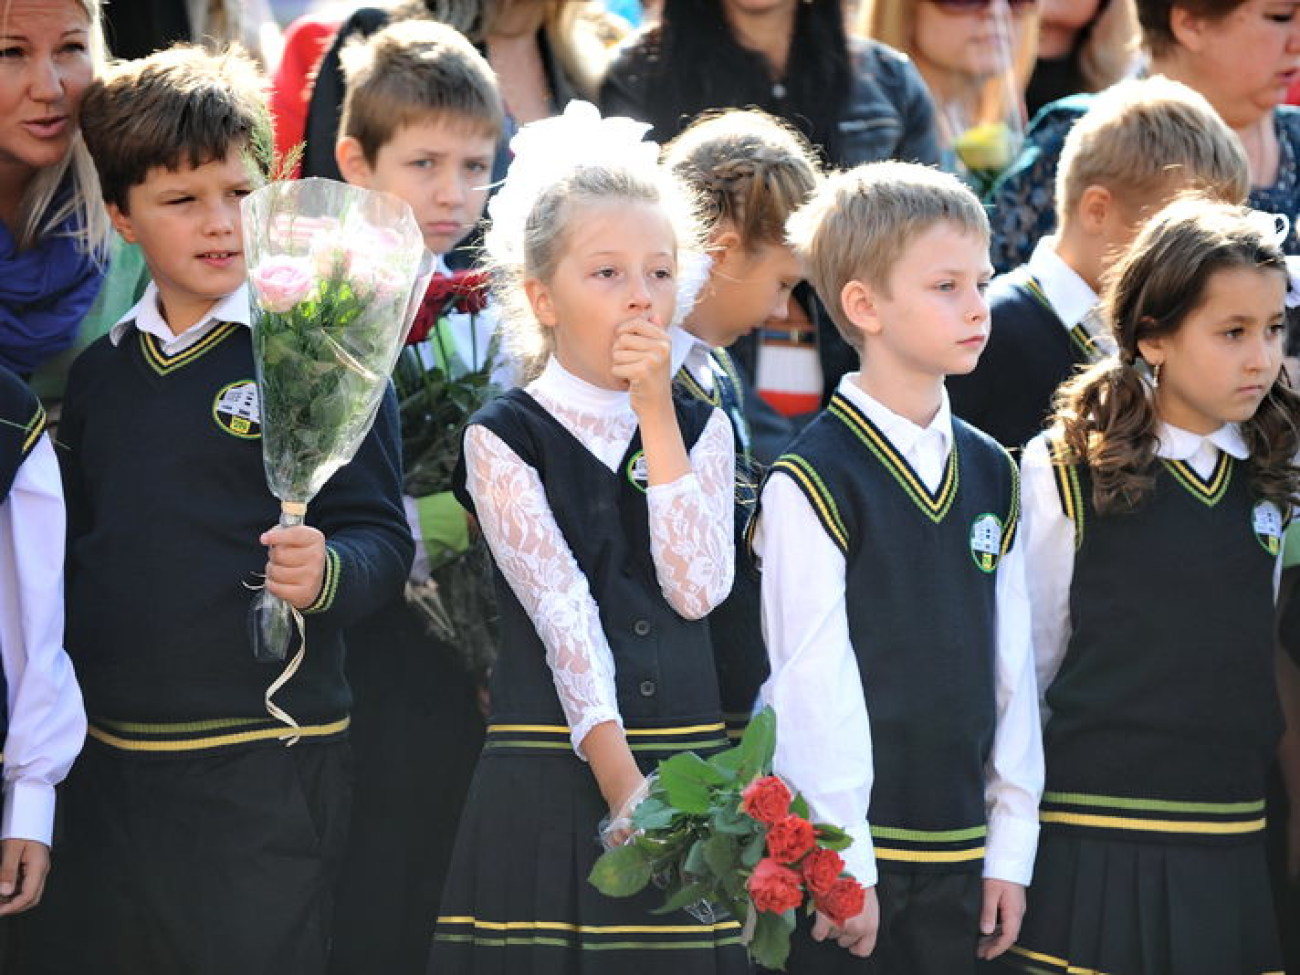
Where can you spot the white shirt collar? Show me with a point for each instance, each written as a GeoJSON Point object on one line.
{"type": "Point", "coordinates": [562, 386]}
{"type": "Point", "coordinates": [905, 435]}
{"type": "Point", "coordinates": [693, 353]}
{"type": "Point", "coordinates": [1071, 297]}
{"type": "Point", "coordinates": [146, 316]}
{"type": "Point", "coordinates": [1179, 444]}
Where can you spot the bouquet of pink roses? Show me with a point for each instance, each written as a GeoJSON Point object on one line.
{"type": "Point", "coordinates": [336, 273]}
{"type": "Point", "coordinates": [726, 833]}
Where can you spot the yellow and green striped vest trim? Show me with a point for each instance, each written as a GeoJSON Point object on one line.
{"type": "Point", "coordinates": [818, 494]}
{"type": "Point", "coordinates": [329, 586]}
{"type": "Point", "coordinates": [1079, 336]}
{"type": "Point", "coordinates": [1041, 963]}
{"type": "Point", "coordinates": [703, 738]}
{"type": "Point", "coordinates": [1013, 515]}
{"type": "Point", "coordinates": [465, 929]}
{"type": "Point", "coordinates": [164, 364]}
{"type": "Point", "coordinates": [1164, 816]}
{"type": "Point", "coordinates": [32, 430]}
{"type": "Point", "coordinates": [197, 736]}
{"type": "Point", "coordinates": [934, 506]}
{"type": "Point", "coordinates": [929, 846]}
{"type": "Point", "coordinates": [1068, 487]}
{"type": "Point", "coordinates": [693, 387]}
{"type": "Point", "coordinates": [1209, 492]}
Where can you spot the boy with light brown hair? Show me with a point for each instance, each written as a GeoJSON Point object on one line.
{"type": "Point", "coordinates": [893, 594]}
{"type": "Point", "coordinates": [1140, 145]}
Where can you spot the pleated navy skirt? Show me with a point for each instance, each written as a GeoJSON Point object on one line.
{"type": "Point", "coordinates": [1107, 906]}
{"type": "Point", "coordinates": [517, 900]}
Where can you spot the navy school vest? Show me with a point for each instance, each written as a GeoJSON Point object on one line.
{"type": "Point", "coordinates": [920, 592]}
{"type": "Point", "coordinates": [664, 665]}
{"type": "Point", "coordinates": [1164, 713]}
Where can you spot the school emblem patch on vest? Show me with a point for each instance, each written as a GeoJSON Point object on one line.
{"type": "Point", "coordinates": [986, 541]}
{"type": "Point", "coordinates": [237, 410]}
{"type": "Point", "coordinates": [1266, 520]}
{"type": "Point", "coordinates": [637, 474]}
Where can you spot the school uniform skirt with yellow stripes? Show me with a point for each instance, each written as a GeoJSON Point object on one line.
{"type": "Point", "coordinates": [1146, 887]}
{"type": "Point", "coordinates": [517, 900]}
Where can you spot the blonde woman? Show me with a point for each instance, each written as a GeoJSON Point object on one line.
{"type": "Point", "coordinates": [975, 57]}
{"type": "Point", "coordinates": [52, 224]}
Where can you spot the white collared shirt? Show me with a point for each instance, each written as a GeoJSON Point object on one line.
{"type": "Point", "coordinates": [692, 353]}
{"type": "Point", "coordinates": [1047, 534]}
{"type": "Point", "coordinates": [1070, 296]}
{"type": "Point", "coordinates": [824, 743]}
{"type": "Point", "coordinates": [47, 720]}
{"type": "Point", "coordinates": [146, 316]}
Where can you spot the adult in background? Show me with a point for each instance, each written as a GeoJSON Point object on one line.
{"type": "Point", "coordinates": [1083, 45]}
{"type": "Point", "coordinates": [1240, 54]}
{"type": "Point", "coordinates": [52, 223]}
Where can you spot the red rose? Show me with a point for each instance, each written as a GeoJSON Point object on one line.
{"type": "Point", "coordinates": [774, 888]}
{"type": "Point", "coordinates": [821, 868]}
{"type": "Point", "coordinates": [766, 799]}
{"type": "Point", "coordinates": [790, 838]}
{"type": "Point", "coordinates": [471, 291]}
{"type": "Point", "coordinates": [843, 901]}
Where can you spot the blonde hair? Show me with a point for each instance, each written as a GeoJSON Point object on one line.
{"type": "Point", "coordinates": [893, 22]}
{"type": "Point", "coordinates": [546, 235]}
{"type": "Point", "coordinates": [1106, 417]}
{"type": "Point", "coordinates": [750, 170]}
{"type": "Point", "coordinates": [859, 222]}
{"type": "Point", "coordinates": [1140, 136]}
{"type": "Point", "coordinates": [43, 208]}
{"type": "Point", "coordinates": [414, 71]}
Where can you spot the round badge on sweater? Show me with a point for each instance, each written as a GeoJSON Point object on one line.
{"type": "Point", "coordinates": [637, 473]}
{"type": "Point", "coordinates": [986, 541]}
{"type": "Point", "coordinates": [1267, 522]}
{"type": "Point", "coordinates": [237, 410]}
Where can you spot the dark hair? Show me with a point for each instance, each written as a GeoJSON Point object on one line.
{"type": "Point", "coordinates": [1107, 417]}
{"type": "Point", "coordinates": [696, 63]}
{"type": "Point", "coordinates": [1153, 17]}
{"type": "Point", "coordinates": [181, 105]}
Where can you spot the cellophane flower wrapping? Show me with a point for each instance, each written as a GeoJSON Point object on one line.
{"type": "Point", "coordinates": [724, 835]}
{"type": "Point", "coordinates": [336, 273]}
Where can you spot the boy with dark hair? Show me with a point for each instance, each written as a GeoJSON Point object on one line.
{"type": "Point", "coordinates": [421, 120]}
{"type": "Point", "coordinates": [893, 595]}
{"type": "Point", "coordinates": [197, 840]}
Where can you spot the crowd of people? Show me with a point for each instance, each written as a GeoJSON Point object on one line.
{"type": "Point", "coordinates": [915, 368]}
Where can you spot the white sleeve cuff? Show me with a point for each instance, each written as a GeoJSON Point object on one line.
{"type": "Point", "coordinates": [860, 858]}
{"type": "Point", "coordinates": [1009, 853]}
{"type": "Point", "coordinates": [28, 811]}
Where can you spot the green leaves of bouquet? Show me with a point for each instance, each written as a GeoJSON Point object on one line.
{"type": "Point", "coordinates": [725, 833]}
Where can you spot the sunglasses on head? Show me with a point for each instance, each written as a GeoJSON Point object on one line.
{"type": "Point", "coordinates": [979, 6]}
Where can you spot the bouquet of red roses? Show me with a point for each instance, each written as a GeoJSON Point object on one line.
{"type": "Point", "coordinates": [727, 833]}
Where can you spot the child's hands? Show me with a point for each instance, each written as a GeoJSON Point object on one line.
{"type": "Point", "coordinates": [1004, 908]}
{"type": "Point", "coordinates": [642, 353]}
{"type": "Point", "coordinates": [24, 865]}
{"type": "Point", "coordinates": [296, 569]}
{"type": "Point", "coordinates": [858, 936]}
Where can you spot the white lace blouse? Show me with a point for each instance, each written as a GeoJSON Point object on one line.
{"type": "Point", "coordinates": [690, 536]}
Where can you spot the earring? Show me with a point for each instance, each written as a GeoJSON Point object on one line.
{"type": "Point", "coordinates": [1155, 374]}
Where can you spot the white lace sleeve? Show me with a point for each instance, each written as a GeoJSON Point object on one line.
{"type": "Point", "coordinates": [692, 525]}
{"type": "Point", "coordinates": [536, 561]}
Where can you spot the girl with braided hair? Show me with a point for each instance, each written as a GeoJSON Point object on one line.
{"type": "Point", "coordinates": [751, 172]}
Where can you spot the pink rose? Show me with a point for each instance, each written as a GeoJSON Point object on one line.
{"type": "Point", "coordinates": [281, 282]}
{"type": "Point", "coordinates": [331, 256]}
